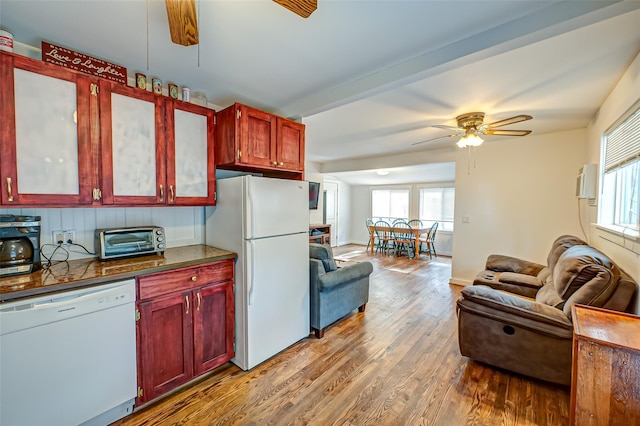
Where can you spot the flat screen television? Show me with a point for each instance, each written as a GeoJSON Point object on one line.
{"type": "Point", "coordinates": [314, 195]}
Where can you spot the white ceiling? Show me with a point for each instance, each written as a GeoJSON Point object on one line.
{"type": "Point", "coordinates": [368, 78]}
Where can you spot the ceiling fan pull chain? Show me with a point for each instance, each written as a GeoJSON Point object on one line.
{"type": "Point", "coordinates": [474, 157]}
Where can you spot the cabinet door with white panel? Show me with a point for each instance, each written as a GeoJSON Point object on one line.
{"type": "Point", "coordinates": [133, 147]}
{"type": "Point", "coordinates": [48, 135]}
{"type": "Point", "coordinates": [190, 162]}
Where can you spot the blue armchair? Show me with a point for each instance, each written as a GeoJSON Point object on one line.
{"type": "Point", "coordinates": [335, 292]}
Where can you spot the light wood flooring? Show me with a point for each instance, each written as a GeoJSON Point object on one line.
{"type": "Point", "coordinates": [398, 363]}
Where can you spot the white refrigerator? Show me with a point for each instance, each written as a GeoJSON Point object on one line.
{"type": "Point", "coordinates": [266, 222]}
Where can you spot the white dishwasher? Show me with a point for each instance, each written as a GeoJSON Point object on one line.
{"type": "Point", "coordinates": [68, 358]}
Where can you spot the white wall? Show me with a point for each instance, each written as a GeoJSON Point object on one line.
{"type": "Point", "coordinates": [312, 175]}
{"type": "Point", "coordinates": [183, 226]}
{"type": "Point", "coordinates": [519, 197]}
{"type": "Point", "coordinates": [623, 96]}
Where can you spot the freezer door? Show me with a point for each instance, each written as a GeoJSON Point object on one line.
{"type": "Point", "coordinates": [277, 280]}
{"type": "Point", "coordinates": [275, 207]}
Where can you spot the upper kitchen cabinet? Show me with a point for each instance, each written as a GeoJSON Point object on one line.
{"type": "Point", "coordinates": [191, 170]}
{"type": "Point", "coordinates": [133, 149]}
{"type": "Point", "coordinates": [155, 150]}
{"type": "Point", "coordinates": [248, 139]}
{"type": "Point", "coordinates": [48, 135]}
{"type": "Point", "coordinates": [290, 146]}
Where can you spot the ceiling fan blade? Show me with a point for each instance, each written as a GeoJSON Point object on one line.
{"type": "Point", "coordinates": [507, 132]}
{"type": "Point", "coordinates": [302, 8]}
{"type": "Point", "coordinates": [507, 121]}
{"type": "Point", "coordinates": [183, 21]}
{"type": "Point", "coordinates": [433, 139]}
{"type": "Point", "coordinates": [445, 127]}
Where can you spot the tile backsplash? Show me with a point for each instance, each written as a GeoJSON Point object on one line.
{"type": "Point", "coordinates": [183, 225]}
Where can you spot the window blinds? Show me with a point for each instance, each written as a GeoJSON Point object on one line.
{"type": "Point", "coordinates": [623, 143]}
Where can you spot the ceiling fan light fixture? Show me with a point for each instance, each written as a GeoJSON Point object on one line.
{"type": "Point", "coordinates": [470, 139]}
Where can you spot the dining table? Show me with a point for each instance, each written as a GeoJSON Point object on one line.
{"type": "Point", "coordinates": [415, 231]}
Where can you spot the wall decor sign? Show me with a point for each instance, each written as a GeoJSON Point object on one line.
{"type": "Point", "coordinates": [84, 63]}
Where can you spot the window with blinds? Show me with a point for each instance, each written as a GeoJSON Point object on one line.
{"type": "Point", "coordinates": [436, 205]}
{"type": "Point", "coordinates": [388, 204]}
{"type": "Point", "coordinates": [620, 205]}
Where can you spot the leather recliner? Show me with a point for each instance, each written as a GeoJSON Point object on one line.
{"type": "Point", "coordinates": [335, 292]}
{"type": "Point", "coordinates": [517, 315]}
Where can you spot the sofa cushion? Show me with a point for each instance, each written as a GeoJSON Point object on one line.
{"type": "Point", "coordinates": [345, 276]}
{"type": "Point", "coordinates": [586, 276]}
{"type": "Point", "coordinates": [502, 263]}
{"type": "Point", "coordinates": [549, 296]}
{"type": "Point", "coordinates": [559, 246]}
{"type": "Point", "coordinates": [323, 253]}
{"type": "Point", "coordinates": [520, 279]}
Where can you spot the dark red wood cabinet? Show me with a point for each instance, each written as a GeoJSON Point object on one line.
{"type": "Point", "coordinates": [248, 139]}
{"type": "Point", "coordinates": [185, 325]}
{"type": "Point", "coordinates": [48, 135]}
{"type": "Point", "coordinates": [69, 139]}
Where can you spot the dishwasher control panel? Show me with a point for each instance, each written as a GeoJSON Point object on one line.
{"type": "Point", "coordinates": [30, 312]}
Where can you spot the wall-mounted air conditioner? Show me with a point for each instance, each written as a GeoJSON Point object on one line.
{"type": "Point", "coordinates": [586, 182]}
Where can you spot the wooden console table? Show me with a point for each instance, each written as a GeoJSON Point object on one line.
{"type": "Point", "coordinates": [320, 234]}
{"type": "Point", "coordinates": [605, 375]}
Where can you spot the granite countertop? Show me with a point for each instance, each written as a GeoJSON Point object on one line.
{"type": "Point", "coordinates": [80, 273]}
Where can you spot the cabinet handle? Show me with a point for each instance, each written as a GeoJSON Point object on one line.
{"type": "Point", "coordinates": [198, 294]}
{"type": "Point", "coordinates": [281, 163]}
{"type": "Point", "coordinates": [171, 194]}
{"type": "Point", "coordinates": [193, 278]}
{"type": "Point", "coordinates": [187, 300]}
{"type": "Point", "coordinates": [275, 163]}
{"type": "Point", "coordinates": [161, 193]}
{"type": "Point", "coordinates": [9, 193]}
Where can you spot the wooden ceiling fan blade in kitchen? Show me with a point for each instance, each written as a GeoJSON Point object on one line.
{"type": "Point", "coordinates": [303, 8]}
{"type": "Point", "coordinates": [183, 22]}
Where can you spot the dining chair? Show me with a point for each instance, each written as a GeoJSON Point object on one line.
{"type": "Point", "coordinates": [403, 238]}
{"type": "Point", "coordinates": [369, 222]}
{"type": "Point", "coordinates": [384, 243]}
{"type": "Point", "coordinates": [415, 223]}
{"type": "Point", "coordinates": [429, 241]}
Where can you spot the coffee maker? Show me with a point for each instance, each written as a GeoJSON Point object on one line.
{"type": "Point", "coordinates": [19, 244]}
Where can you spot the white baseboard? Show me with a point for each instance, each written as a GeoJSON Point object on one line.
{"type": "Point", "coordinates": [460, 281]}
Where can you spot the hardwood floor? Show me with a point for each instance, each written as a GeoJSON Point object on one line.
{"type": "Point", "coordinates": [398, 363]}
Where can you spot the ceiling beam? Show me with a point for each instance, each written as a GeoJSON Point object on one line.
{"type": "Point", "coordinates": [552, 20]}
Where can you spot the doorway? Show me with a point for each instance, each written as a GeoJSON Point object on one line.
{"type": "Point", "coordinates": [330, 209]}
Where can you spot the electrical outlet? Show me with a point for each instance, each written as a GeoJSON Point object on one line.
{"type": "Point", "coordinates": [57, 236]}
{"type": "Point", "coordinates": [70, 236]}
{"type": "Point", "coordinates": [63, 236]}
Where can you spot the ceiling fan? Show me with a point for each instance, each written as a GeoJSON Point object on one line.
{"type": "Point", "coordinates": [470, 126]}
{"type": "Point", "coordinates": [183, 19]}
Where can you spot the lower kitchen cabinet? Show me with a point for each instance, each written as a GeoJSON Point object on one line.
{"type": "Point", "coordinates": [185, 325]}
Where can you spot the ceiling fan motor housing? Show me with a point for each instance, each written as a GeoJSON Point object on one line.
{"type": "Point", "coordinates": [470, 120]}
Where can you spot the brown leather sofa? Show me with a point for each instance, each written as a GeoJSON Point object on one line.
{"type": "Point", "coordinates": [517, 315]}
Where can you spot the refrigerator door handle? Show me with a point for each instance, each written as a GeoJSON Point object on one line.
{"type": "Point", "coordinates": [249, 219]}
{"type": "Point", "coordinates": [249, 271]}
